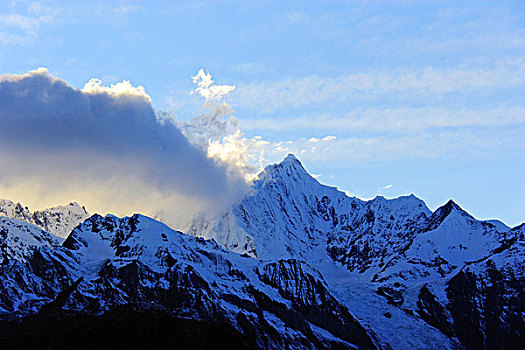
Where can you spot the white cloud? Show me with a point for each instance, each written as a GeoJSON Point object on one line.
{"type": "Point", "coordinates": [25, 23]}
{"type": "Point", "coordinates": [324, 139]}
{"type": "Point", "coordinates": [328, 138]}
{"type": "Point", "coordinates": [207, 89]}
{"type": "Point", "coordinates": [121, 89]}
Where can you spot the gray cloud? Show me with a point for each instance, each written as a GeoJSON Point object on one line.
{"type": "Point", "coordinates": [104, 147]}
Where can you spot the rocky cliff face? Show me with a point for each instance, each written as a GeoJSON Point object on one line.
{"type": "Point", "coordinates": [487, 297]}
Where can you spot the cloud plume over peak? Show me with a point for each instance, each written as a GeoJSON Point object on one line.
{"type": "Point", "coordinates": [104, 147]}
{"type": "Point", "coordinates": [216, 131]}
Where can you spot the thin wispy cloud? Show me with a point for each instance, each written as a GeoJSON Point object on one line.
{"type": "Point", "coordinates": [399, 120]}
{"type": "Point", "coordinates": [451, 144]}
{"type": "Point", "coordinates": [249, 68]}
{"type": "Point", "coordinates": [17, 29]}
{"type": "Point", "coordinates": [300, 92]}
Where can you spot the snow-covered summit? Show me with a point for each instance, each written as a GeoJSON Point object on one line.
{"type": "Point", "coordinates": [441, 213]}
{"type": "Point", "coordinates": [289, 213]}
{"type": "Point", "coordinates": [58, 220]}
{"type": "Point", "coordinates": [289, 176]}
{"type": "Point", "coordinates": [14, 210]}
{"type": "Point", "coordinates": [290, 168]}
{"type": "Point", "coordinates": [396, 248]}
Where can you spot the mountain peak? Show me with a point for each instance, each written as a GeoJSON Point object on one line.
{"type": "Point", "coordinates": [444, 211]}
{"type": "Point", "coordinates": [291, 162]}
{"type": "Point", "coordinates": [75, 204]}
{"type": "Point", "coordinates": [289, 168]}
{"type": "Point", "coordinates": [448, 208]}
{"type": "Point", "coordinates": [452, 205]}
{"type": "Point", "coordinates": [290, 158]}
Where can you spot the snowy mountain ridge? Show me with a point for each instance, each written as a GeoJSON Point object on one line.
{"type": "Point", "coordinates": [57, 220]}
{"type": "Point", "coordinates": [290, 214]}
{"type": "Point", "coordinates": [396, 249]}
{"type": "Point", "coordinates": [107, 262]}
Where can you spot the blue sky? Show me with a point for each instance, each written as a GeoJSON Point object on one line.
{"type": "Point", "coordinates": [375, 97]}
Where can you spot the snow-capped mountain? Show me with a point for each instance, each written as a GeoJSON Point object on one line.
{"type": "Point", "coordinates": [396, 249]}
{"type": "Point", "coordinates": [58, 220]}
{"type": "Point", "coordinates": [294, 264]}
{"type": "Point", "coordinates": [290, 214]}
{"type": "Point", "coordinates": [107, 262]}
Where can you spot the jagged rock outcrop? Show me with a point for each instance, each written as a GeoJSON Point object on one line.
{"type": "Point", "coordinates": [311, 298]}
{"type": "Point", "coordinates": [432, 312]}
{"type": "Point", "coordinates": [58, 221]}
